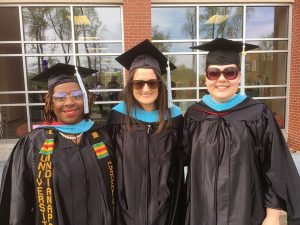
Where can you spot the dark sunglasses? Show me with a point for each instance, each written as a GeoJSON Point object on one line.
{"type": "Point", "coordinates": [230, 73]}
{"type": "Point", "coordinates": [139, 84]}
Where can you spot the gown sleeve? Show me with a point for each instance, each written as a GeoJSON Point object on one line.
{"type": "Point", "coordinates": [188, 127]}
{"type": "Point", "coordinates": [113, 125]}
{"type": "Point", "coordinates": [17, 188]}
{"type": "Point", "coordinates": [281, 176]}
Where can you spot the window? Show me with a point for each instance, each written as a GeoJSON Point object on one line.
{"type": "Point", "coordinates": [266, 67]}
{"type": "Point", "coordinates": [216, 21]}
{"type": "Point", "coordinates": [48, 35]}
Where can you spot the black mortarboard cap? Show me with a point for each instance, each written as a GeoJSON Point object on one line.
{"type": "Point", "coordinates": [62, 73]}
{"type": "Point", "coordinates": [222, 51]}
{"type": "Point", "coordinates": [145, 55]}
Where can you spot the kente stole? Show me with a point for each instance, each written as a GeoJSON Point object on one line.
{"type": "Point", "coordinates": [43, 168]}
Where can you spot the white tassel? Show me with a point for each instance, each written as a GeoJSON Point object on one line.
{"type": "Point", "coordinates": [169, 85]}
{"type": "Point", "coordinates": [85, 97]}
{"type": "Point", "coordinates": [242, 89]}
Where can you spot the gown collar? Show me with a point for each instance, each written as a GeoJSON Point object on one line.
{"type": "Point", "coordinates": [235, 100]}
{"type": "Point", "coordinates": [142, 115]}
{"type": "Point", "coordinates": [81, 127]}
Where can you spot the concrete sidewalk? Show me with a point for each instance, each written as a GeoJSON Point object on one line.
{"type": "Point", "coordinates": [296, 157]}
{"type": "Point", "coordinates": [6, 147]}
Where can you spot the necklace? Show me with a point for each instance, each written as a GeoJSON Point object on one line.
{"type": "Point", "coordinates": [71, 137]}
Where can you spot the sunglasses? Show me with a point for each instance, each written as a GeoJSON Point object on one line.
{"type": "Point", "coordinates": [62, 96]}
{"type": "Point", "coordinates": [139, 84]}
{"type": "Point", "coordinates": [230, 73]}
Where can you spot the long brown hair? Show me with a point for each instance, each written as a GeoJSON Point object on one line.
{"type": "Point", "coordinates": [49, 115]}
{"type": "Point", "coordinates": [161, 103]}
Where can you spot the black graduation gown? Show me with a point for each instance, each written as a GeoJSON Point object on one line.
{"type": "Point", "coordinates": [80, 192]}
{"type": "Point", "coordinates": [148, 169]}
{"type": "Point", "coordinates": [239, 164]}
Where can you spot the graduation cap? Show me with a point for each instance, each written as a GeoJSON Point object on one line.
{"type": "Point", "coordinates": [222, 51]}
{"type": "Point", "coordinates": [62, 73]}
{"type": "Point", "coordinates": [146, 55]}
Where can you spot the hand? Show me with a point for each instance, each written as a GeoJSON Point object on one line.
{"type": "Point", "coordinates": [272, 217]}
{"type": "Point", "coordinates": [271, 221]}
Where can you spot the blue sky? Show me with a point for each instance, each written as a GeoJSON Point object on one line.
{"type": "Point", "coordinates": [260, 23]}
{"type": "Point", "coordinates": [171, 20]}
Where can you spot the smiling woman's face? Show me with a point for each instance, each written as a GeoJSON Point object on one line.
{"type": "Point", "coordinates": [222, 89]}
{"type": "Point", "coordinates": [69, 110]}
{"type": "Point", "coordinates": [145, 96]}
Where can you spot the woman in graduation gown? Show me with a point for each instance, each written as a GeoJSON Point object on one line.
{"type": "Point", "coordinates": [146, 138]}
{"type": "Point", "coordinates": [61, 172]}
{"type": "Point", "coordinates": [240, 170]}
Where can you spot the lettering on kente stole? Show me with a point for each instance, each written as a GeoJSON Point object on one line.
{"type": "Point", "coordinates": [112, 180]}
{"type": "Point", "coordinates": [44, 191]}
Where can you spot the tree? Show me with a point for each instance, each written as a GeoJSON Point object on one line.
{"type": "Point", "coordinates": [157, 34]}
{"type": "Point", "coordinates": [220, 22]}
{"type": "Point", "coordinates": [35, 25]}
{"type": "Point", "coordinates": [190, 26]}
{"type": "Point", "coordinates": [59, 20]}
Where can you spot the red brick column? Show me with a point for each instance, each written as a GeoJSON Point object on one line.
{"type": "Point", "coordinates": [137, 21]}
{"type": "Point", "coordinates": [294, 100]}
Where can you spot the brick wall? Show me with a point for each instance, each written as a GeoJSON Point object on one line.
{"type": "Point", "coordinates": [294, 101]}
{"type": "Point", "coordinates": [137, 21]}
{"type": "Point", "coordinates": [137, 27]}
